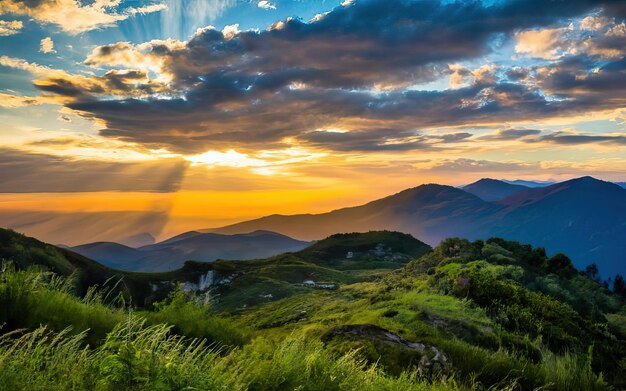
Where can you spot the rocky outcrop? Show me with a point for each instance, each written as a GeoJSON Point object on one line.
{"type": "Point", "coordinates": [390, 350]}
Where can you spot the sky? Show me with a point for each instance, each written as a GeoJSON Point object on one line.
{"type": "Point", "coordinates": [124, 117]}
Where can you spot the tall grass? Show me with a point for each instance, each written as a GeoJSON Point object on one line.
{"type": "Point", "coordinates": [140, 357]}
{"type": "Point", "coordinates": [29, 298]}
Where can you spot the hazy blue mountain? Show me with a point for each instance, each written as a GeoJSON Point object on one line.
{"type": "Point", "coordinates": [204, 247]}
{"type": "Point", "coordinates": [492, 189]}
{"type": "Point", "coordinates": [114, 255]}
{"type": "Point", "coordinates": [526, 183]}
{"type": "Point", "coordinates": [621, 184]}
{"type": "Point", "coordinates": [585, 218]}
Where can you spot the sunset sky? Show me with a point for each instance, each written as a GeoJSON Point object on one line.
{"type": "Point", "coordinates": [124, 117]}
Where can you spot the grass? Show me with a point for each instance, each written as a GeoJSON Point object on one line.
{"type": "Point", "coordinates": [503, 323]}
{"type": "Point", "coordinates": [136, 357]}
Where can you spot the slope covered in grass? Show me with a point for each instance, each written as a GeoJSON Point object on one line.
{"type": "Point", "coordinates": [465, 315]}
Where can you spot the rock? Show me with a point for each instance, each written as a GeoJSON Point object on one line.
{"type": "Point", "coordinates": [392, 351]}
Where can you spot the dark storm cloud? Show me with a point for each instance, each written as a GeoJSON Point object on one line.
{"type": "Point", "coordinates": [256, 88]}
{"type": "Point", "coordinates": [22, 172]}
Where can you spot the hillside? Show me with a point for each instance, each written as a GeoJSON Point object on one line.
{"type": "Point", "coordinates": [490, 314]}
{"type": "Point", "coordinates": [171, 254]}
{"type": "Point", "coordinates": [493, 190]}
{"type": "Point", "coordinates": [280, 275]}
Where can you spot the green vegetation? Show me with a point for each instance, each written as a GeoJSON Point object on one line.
{"type": "Point", "coordinates": [391, 315]}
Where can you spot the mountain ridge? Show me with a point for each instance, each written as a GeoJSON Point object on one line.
{"type": "Point", "coordinates": [172, 253]}
{"type": "Point", "coordinates": [433, 212]}
{"type": "Point", "coordinates": [492, 189]}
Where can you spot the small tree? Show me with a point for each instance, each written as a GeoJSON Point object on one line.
{"type": "Point", "coordinates": [592, 272]}
{"type": "Point", "coordinates": [619, 286]}
{"type": "Point", "coordinates": [561, 264]}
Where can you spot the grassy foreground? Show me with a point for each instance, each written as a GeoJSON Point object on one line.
{"type": "Point", "coordinates": [504, 315]}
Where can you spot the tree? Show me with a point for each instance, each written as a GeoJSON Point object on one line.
{"type": "Point", "coordinates": [619, 286]}
{"type": "Point", "coordinates": [561, 264]}
{"type": "Point", "coordinates": [592, 272]}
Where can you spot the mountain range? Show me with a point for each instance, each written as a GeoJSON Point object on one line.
{"type": "Point", "coordinates": [205, 247]}
{"type": "Point", "coordinates": [583, 217]}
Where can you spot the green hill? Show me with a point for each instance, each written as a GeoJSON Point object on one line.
{"type": "Point", "coordinates": [239, 283]}
{"type": "Point", "coordinates": [355, 311]}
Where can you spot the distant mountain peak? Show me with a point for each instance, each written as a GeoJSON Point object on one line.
{"type": "Point", "coordinates": [586, 182]}
{"type": "Point", "coordinates": [489, 189]}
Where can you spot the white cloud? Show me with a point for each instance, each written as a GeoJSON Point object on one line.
{"type": "Point", "coordinates": [47, 45]}
{"type": "Point", "coordinates": [593, 23]}
{"type": "Point", "coordinates": [73, 16]}
{"type": "Point", "coordinates": [10, 27]}
{"type": "Point", "coordinates": [230, 31]}
{"type": "Point", "coordinates": [546, 44]}
{"type": "Point", "coordinates": [266, 5]}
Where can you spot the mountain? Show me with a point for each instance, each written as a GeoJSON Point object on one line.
{"type": "Point", "coordinates": [583, 217]}
{"type": "Point", "coordinates": [492, 190]}
{"type": "Point", "coordinates": [204, 247]}
{"type": "Point", "coordinates": [526, 183]}
{"type": "Point", "coordinates": [113, 255]}
{"type": "Point", "coordinates": [621, 184]}
{"type": "Point", "coordinates": [430, 212]}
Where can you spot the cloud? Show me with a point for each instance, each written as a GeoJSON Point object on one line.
{"type": "Point", "coordinates": [453, 137]}
{"type": "Point", "coordinates": [64, 118]}
{"type": "Point", "coordinates": [266, 5]}
{"type": "Point", "coordinates": [10, 27]}
{"type": "Point", "coordinates": [366, 140]}
{"type": "Point", "coordinates": [10, 101]}
{"type": "Point", "coordinates": [25, 172]}
{"type": "Point", "coordinates": [565, 138]}
{"type": "Point", "coordinates": [60, 86]}
{"type": "Point", "coordinates": [47, 45]}
{"type": "Point", "coordinates": [545, 44]}
{"type": "Point", "coordinates": [33, 68]}
{"type": "Point", "coordinates": [470, 165]}
{"type": "Point", "coordinates": [582, 79]}
{"type": "Point", "coordinates": [511, 134]}
{"type": "Point", "coordinates": [73, 16]}
{"type": "Point", "coordinates": [595, 36]}
{"type": "Point", "coordinates": [357, 68]}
